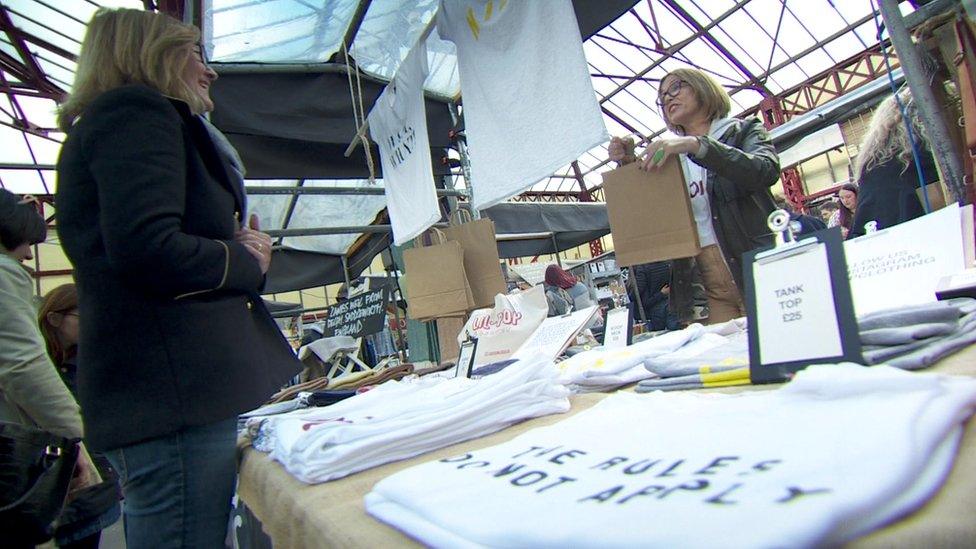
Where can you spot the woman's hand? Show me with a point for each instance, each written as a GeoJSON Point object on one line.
{"type": "Point", "coordinates": [256, 242]}
{"type": "Point", "coordinates": [85, 473]}
{"type": "Point", "coordinates": [621, 150]}
{"type": "Point", "coordinates": [658, 152]}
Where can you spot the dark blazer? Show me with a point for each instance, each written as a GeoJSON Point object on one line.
{"type": "Point", "coordinates": [887, 193]}
{"type": "Point", "coordinates": [741, 165]}
{"type": "Point", "coordinates": [173, 330]}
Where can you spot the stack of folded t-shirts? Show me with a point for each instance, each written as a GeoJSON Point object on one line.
{"type": "Point", "coordinates": [916, 336]}
{"type": "Point", "coordinates": [402, 419]}
{"type": "Point", "coordinates": [604, 369]}
{"type": "Point", "coordinates": [324, 392]}
{"type": "Point", "coordinates": [712, 360]}
{"type": "Point", "coordinates": [290, 392]}
{"type": "Point", "coordinates": [835, 453]}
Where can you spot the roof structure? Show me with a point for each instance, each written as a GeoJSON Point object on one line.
{"type": "Point", "coordinates": [777, 58]}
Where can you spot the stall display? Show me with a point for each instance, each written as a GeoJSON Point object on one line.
{"type": "Point", "coordinates": [602, 275]}
{"type": "Point", "coordinates": [836, 453]}
{"type": "Point", "coordinates": [398, 420]}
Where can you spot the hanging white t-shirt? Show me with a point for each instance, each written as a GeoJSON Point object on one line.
{"type": "Point", "coordinates": [837, 452]}
{"type": "Point", "coordinates": [398, 124]}
{"type": "Point", "coordinates": [695, 176]}
{"type": "Point", "coordinates": [529, 105]}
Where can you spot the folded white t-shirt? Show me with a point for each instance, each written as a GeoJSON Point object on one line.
{"type": "Point", "coordinates": [840, 450]}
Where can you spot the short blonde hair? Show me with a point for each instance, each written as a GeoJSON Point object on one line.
{"type": "Point", "coordinates": [128, 46]}
{"type": "Point", "coordinates": [712, 97]}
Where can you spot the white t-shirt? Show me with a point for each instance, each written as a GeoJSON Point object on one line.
{"type": "Point", "coordinates": [398, 124]}
{"type": "Point", "coordinates": [529, 104]}
{"type": "Point", "coordinates": [837, 452]}
{"type": "Point", "coordinates": [695, 176]}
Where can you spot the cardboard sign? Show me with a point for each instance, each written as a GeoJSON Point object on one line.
{"type": "Point", "coordinates": [504, 328]}
{"type": "Point", "coordinates": [650, 214]}
{"type": "Point", "coordinates": [618, 328]}
{"type": "Point", "coordinates": [798, 301]}
{"type": "Point", "coordinates": [902, 265]}
{"type": "Point", "coordinates": [361, 315]}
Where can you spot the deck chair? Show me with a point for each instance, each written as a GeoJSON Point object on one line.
{"type": "Point", "coordinates": [331, 357]}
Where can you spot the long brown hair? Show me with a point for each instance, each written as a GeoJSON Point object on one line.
{"type": "Point", "coordinates": [61, 300]}
{"type": "Point", "coordinates": [129, 46]}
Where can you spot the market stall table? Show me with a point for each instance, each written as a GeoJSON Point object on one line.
{"type": "Point", "coordinates": [332, 514]}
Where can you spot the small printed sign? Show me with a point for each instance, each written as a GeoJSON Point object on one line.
{"type": "Point", "coordinates": [798, 300]}
{"type": "Point", "coordinates": [618, 328]}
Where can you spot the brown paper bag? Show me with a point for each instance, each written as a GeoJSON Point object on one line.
{"type": "Point", "coordinates": [448, 328]}
{"type": "Point", "coordinates": [650, 214]}
{"type": "Point", "coordinates": [936, 195]}
{"type": "Point", "coordinates": [436, 281]}
{"type": "Point", "coordinates": [481, 262]}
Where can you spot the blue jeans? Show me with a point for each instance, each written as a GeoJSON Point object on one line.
{"type": "Point", "coordinates": [178, 488]}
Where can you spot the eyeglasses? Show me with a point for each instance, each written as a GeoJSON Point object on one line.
{"type": "Point", "coordinates": [670, 93]}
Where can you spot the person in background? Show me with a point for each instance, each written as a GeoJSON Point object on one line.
{"type": "Point", "coordinates": [845, 211]}
{"type": "Point", "coordinates": [885, 167]}
{"type": "Point", "coordinates": [828, 210]}
{"type": "Point", "coordinates": [800, 223]}
{"type": "Point", "coordinates": [578, 294]}
{"type": "Point", "coordinates": [95, 508]}
{"type": "Point", "coordinates": [729, 166]}
{"type": "Point", "coordinates": [175, 338]}
{"type": "Point", "coordinates": [652, 281]}
{"type": "Point", "coordinates": [30, 391]}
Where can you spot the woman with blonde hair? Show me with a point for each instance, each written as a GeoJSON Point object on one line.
{"type": "Point", "coordinates": [175, 340]}
{"type": "Point", "coordinates": [885, 168]}
{"type": "Point", "coordinates": [729, 166]}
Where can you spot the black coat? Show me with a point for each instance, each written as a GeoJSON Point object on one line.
{"type": "Point", "coordinates": [741, 166]}
{"type": "Point", "coordinates": [173, 330]}
{"type": "Point", "coordinates": [887, 193]}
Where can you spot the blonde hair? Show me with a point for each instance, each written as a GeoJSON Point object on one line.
{"type": "Point", "coordinates": [128, 46]}
{"type": "Point", "coordinates": [886, 137]}
{"type": "Point", "coordinates": [711, 96]}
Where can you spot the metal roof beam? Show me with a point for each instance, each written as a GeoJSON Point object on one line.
{"type": "Point", "coordinates": [807, 51]}
{"type": "Point", "coordinates": [34, 72]}
{"type": "Point", "coordinates": [357, 21]}
{"type": "Point", "coordinates": [706, 35]}
{"type": "Point", "coordinates": [677, 47]}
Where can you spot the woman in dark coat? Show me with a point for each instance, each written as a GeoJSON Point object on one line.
{"type": "Point", "coordinates": [175, 339]}
{"type": "Point", "coordinates": [885, 168]}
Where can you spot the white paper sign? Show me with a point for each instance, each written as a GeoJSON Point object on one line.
{"type": "Point", "coordinates": [554, 334]}
{"type": "Point", "coordinates": [796, 317]}
{"type": "Point", "coordinates": [616, 327]}
{"type": "Point", "coordinates": [902, 265]}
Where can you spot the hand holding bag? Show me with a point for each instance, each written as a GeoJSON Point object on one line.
{"type": "Point", "coordinates": [35, 471]}
{"type": "Point", "coordinates": [650, 214]}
